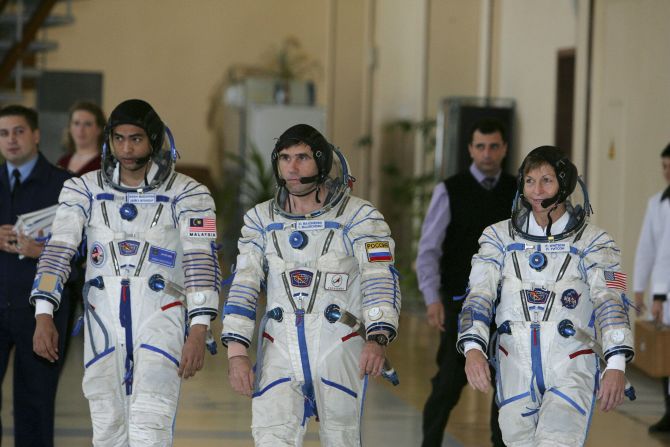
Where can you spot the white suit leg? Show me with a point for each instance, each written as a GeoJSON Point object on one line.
{"type": "Point", "coordinates": [340, 391]}
{"type": "Point", "coordinates": [278, 403]}
{"type": "Point", "coordinates": [156, 384]}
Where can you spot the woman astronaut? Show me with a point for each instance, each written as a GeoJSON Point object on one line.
{"type": "Point", "coordinates": [554, 283]}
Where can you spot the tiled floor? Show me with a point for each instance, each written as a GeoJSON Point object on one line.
{"type": "Point", "coordinates": [211, 415]}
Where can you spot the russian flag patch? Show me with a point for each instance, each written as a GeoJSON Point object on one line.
{"type": "Point", "coordinates": [378, 251]}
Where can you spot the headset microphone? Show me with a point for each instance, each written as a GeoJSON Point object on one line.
{"type": "Point", "coordinates": [307, 180]}
{"type": "Point", "coordinates": [143, 160]}
{"type": "Point", "coordinates": [546, 203]}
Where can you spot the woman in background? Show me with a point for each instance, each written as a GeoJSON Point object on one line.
{"type": "Point", "coordinates": [84, 138]}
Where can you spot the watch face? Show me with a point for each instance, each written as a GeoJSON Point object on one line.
{"type": "Point", "coordinates": [381, 339]}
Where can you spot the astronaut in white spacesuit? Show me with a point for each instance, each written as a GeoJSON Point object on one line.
{"type": "Point", "coordinates": [560, 307]}
{"type": "Point", "coordinates": [325, 259]}
{"type": "Point", "coordinates": [151, 269]}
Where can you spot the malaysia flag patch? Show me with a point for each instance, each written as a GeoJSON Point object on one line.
{"type": "Point", "coordinates": [378, 251]}
{"type": "Point", "coordinates": [202, 227]}
{"type": "Point", "coordinates": [615, 280]}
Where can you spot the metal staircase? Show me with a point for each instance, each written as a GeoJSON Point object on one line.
{"type": "Point", "coordinates": [20, 23]}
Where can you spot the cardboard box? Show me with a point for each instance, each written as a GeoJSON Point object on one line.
{"type": "Point", "coordinates": [652, 349]}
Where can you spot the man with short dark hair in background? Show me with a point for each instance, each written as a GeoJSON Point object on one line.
{"type": "Point", "coordinates": [28, 182]}
{"type": "Point", "coordinates": [460, 208]}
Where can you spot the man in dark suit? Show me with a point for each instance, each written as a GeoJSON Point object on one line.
{"type": "Point", "coordinates": [28, 182]}
{"type": "Point", "coordinates": [461, 207]}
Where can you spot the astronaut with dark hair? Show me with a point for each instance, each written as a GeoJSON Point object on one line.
{"type": "Point", "coordinates": [561, 310]}
{"type": "Point", "coordinates": [152, 279]}
{"type": "Point", "coordinates": [325, 260]}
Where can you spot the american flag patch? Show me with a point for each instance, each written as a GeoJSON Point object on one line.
{"type": "Point", "coordinates": [615, 280]}
{"type": "Point", "coordinates": [202, 227]}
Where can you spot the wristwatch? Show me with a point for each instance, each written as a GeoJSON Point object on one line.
{"type": "Point", "coordinates": [380, 339]}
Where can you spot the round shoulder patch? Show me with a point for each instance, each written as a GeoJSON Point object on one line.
{"type": "Point", "coordinates": [98, 255]}
{"type": "Point", "coordinates": [570, 298]}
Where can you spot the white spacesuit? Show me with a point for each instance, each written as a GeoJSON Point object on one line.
{"type": "Point", "coordinates": [313, 268]}
{"type": "Point", "coordinates": [558, 296]}
{"type": "Point", "coordinates": [151, 267]}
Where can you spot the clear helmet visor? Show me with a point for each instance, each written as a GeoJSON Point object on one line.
{"type": "Point", "coordinates": [577, 211]}
{"type": "Point", "coordinates": [156, 172]}
{"type": "Point", "coordinates": [337, 185]}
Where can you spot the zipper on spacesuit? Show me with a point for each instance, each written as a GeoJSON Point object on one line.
{"type": "Point", "coordinates": [317, 280]}
{"type": "Point", "coordinates": [536, 356]}
{"type": "Point", "coordinates": [125, 318]}
{"type": "Point", "coordinates": [524, 304]}
{"type": "Point", "coordinates": [288, 291]}
{"type": "Point", "coordinates": [310, 408]}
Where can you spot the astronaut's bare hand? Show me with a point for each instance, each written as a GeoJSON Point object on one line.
{"type": "Point", "coordinates": [240, 374]}
{"type": "Point", "coordinates": [657, 311]}
{"type": "Point", "coordinates": [611, 393]}
{"type": "Point", "coordinates": [45, 339]}
{"type": "Point", "coordinates": [372, 359]}
{"type": "Point", "coordinates": [477, 370]}
{"type": "Point", "coordinates": [435, 315]}
{"type": "Point", "coordinates": [193, 354]}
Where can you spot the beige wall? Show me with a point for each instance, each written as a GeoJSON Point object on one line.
{"type": "Point", "coordinates": [173, 53]}
{"type": "Point", "coordinates": [381, 60]}
{"type": "Point", "coordinates": [631, 112]}
{"type": "Point", "coordinates": [347, 86]}
{"type": "Point", "coordinates": [530, 34]}
{"type": "Point", "coordinates": [630, 97]}
{"type": "Point", "coordinates": [453, 50]}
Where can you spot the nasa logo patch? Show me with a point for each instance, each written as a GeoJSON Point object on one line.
{"type": "Point", "coordinates": [570, 298]}
{"type": "Point", "coordinates": [301, 278]}
{"type": "Point", "coordinates": [97, 255]}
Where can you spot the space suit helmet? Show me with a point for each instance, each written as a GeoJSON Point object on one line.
{"type": "Point", "coordinates": [575, 198]}
{"type": "Point", "coordinates": [322, 151]}
{"type": "Point", "coordinates": [333, 174]}
{"type": "Point", "coordinates": [566, 171]}
{"type": "Point", "coordinates": [163, 152]}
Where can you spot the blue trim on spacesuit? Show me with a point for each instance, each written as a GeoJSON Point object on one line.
{"type": "Point", "coordinates": [271, 385]}
{"type": "Point", "coordinates": [568, 400]}
{"type": "Point", "coordinates": [308, 387]}
{"type": "Point", "coordinates": [596, 385]}
{"type": "Point", "coordinates": [342, 388]}
{"type": "Point", "coordinates": [232, 309]}
{"type": "Point", "coordinates": [360, 413]}
{"type": "Point", "coordinates": [381, 326]}
{"type": "Point", "coordinates": [229, 336]}
{"type": "Point", "coordinates": [212, 312]}
{"type": "Point", "coordinates": [160, 351]}
{"type": "Point", "coordinates": [99, 356]}
{"type": "Point", "coordinates": [86, 194]}
{"type": "Point", "coordinates": [258, 368]}
{"type": "Point", "coordinates": [513, 399]}
{"type": "Point", "coordinates": [126, 320]}
{"type": "Point", "coordinates": [278, 226]}
{"type": "Point", "coordinates": [536, 356]}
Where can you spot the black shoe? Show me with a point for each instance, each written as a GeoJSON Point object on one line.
{"type": "Point", "coordinates": [662, 426]}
